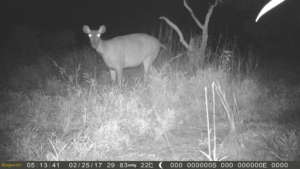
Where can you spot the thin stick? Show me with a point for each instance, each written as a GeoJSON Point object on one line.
{"type": "Point", "coordinates": [214, 121]}
{"type": "Point", "coordinates": [207, 122]}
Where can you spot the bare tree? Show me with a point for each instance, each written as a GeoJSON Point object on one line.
{"type": "Point", "coordinates": [196, 54]}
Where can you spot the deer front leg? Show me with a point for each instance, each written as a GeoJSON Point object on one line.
{"type": "Point", "coordinates": [113, 75]}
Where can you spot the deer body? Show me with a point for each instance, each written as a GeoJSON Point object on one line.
{"type": "Point", "coordinates": [124, 51]}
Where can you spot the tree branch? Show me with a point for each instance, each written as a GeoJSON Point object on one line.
{"type": "Point", "coordinates": [210, 11]}
{"type": "Point", "coordinates": [192, 14]}
{"type": "Point", "coordinates": [175, 27]}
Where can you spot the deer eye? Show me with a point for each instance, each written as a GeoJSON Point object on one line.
{"type": "Point", "coordinates": [90, 35]}
{"type": "Point", "coordinates": [98, 35]}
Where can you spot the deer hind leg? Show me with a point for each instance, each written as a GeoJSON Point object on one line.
{"type": "Point", "coordinates": [119, 76]}
{"type": "Point", "coordinates": [147, 66]}
{"type": "Point", "coordinates": [149, 61]}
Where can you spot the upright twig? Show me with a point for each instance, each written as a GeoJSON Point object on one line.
{"type": "Point", "coordinates": [207, 122]}
{"type": "Point", "coordinates": [214, 120]}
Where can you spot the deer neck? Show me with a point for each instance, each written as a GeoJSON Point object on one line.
{"type": "Point", "coordinates": [99, 46]}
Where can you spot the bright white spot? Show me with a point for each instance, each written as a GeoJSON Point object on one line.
{"type": "Point", "coordinates": [270, 5]}
{"type": "Point", "coordinates": [98, 35]}
{"type": "Point", "coordinates": [90, 35]}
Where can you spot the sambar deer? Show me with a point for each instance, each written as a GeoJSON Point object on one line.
{"type": "Point", "coordinates": [124, 51]}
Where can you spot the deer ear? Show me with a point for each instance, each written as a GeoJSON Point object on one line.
{"type": "Point", "coordinates": [86, 29]}
{"type": "Point", "coordinates": [102, 29]}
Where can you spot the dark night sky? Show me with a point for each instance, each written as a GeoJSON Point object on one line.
{"type": "Point", "coordinates": [127, 16]}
